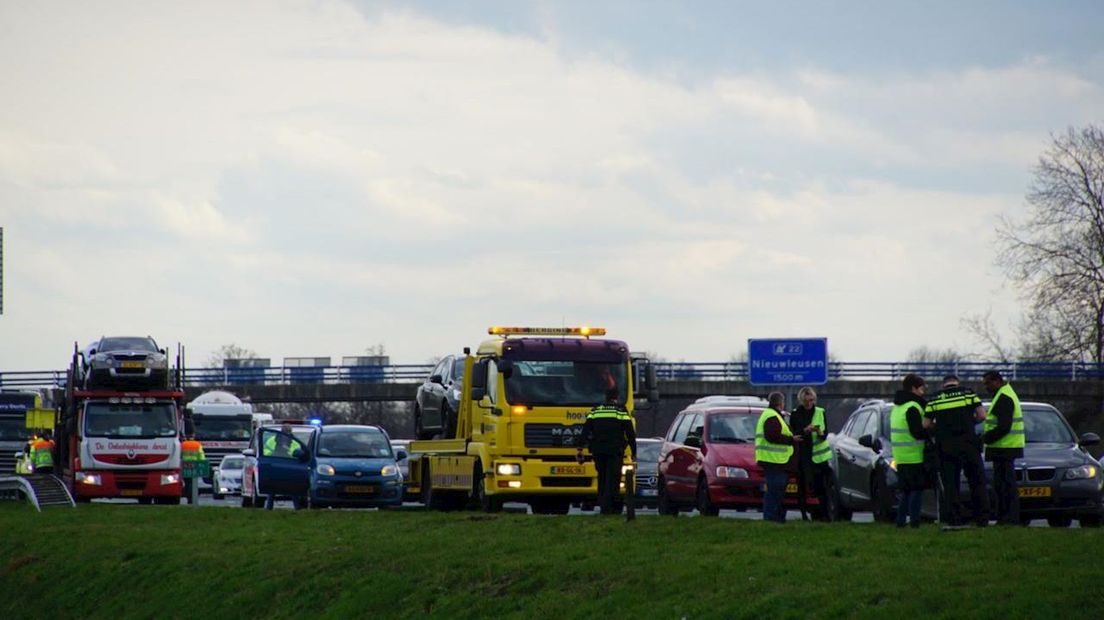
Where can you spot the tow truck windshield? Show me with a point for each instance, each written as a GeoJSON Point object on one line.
{"type": "Point", "coordinates": [116, 420]}
{"type": "Point", "coordinates": [225, 428]}
{"type": "Point", "coordinates": [564, 382]}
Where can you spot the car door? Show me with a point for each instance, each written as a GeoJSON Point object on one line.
{"type": "Point", "coordinates": [684, 461]}
{"type": "Point", "coordinates": [847, 447]}
{"type": "Point", "coordinates": [667, 453]}
{"type": "Point", "coordinates": [866, 459]}
{"type": "Point", "coordinates": [283, 464]}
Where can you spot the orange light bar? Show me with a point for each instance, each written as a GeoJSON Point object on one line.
{"type": "Point", "coordinates": [548, 331]}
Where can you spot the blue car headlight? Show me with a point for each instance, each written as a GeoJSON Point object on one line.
{"type": "Point", "coordinates": [1081, 473]}
{"type": "Point", "coordinates": [324, 469]}
{"type": "Point", "coordinates": [389, 470]}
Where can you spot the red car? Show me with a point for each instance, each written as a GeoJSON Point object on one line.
{"type": "Point", "coordinates": [708, 459]}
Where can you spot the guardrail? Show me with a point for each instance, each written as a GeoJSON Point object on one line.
{"type": "Point", "coordinates": [682, 371]}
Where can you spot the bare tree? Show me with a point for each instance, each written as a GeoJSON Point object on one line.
{"type": "Point", "coordinates": [984, 330]}
{"type": "Point", "coordinates": [1056, 256]}
{"type": "Point", "coordinates": [927, 355]}
{"type": "Point", "coordinates": [229, 352]}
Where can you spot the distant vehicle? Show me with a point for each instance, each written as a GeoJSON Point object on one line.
{"type": "Point", "coordinates": [223, 424]}
{"type": "Point", "coordinates": [346, 465]}
{"type": "Point", "coordinates": [438, 399]}
{"type": "Point", "coordinates": [708, 459]}
{"type": "Point", "coordinates": [647, 472]}
{"type": "Point", "coordinates": [14, 433]}
{"type": "Point", "coordinates": [125, 362]}
{"type": "Point", "coordinates": [228, 476]}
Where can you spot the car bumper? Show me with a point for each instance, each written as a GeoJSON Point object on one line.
{"type": "Point", "coordinates": [749, 494]}
{"type": "Point", "coordinates": [352, 491]}
{"type": "Point", "coordinates": [129, 484]}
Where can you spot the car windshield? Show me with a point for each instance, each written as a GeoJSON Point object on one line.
{"type": "Point", "coordinates": [458, 369]}
{"type": "Point", "coordinates": [120, 420]}
{"type": "Point", "coordinates": [1045, 425]}
{"type": "Point", "coordinates": [13, 429]}
{"type": "Point", "coordinates": [648, 452]}
{"type": "Point", "coordinates": [732, 427]}
{"type": "Point", "coordinates": [232, 463]}
{"type": "Point", "coordinates": [564, 383]}
{"type": "Point", "coordinates": [128, 344]}
{"type": "Point", "coordinates": [224, 428]}
{"type": "Point", "coordinates": [367, 444]}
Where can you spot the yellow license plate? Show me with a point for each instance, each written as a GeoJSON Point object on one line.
{"type": "Point", "coordinates": [1034, 491]}
{"type": "Point", "coordinates": [568, 470]}
{"type": "Point", "coordinates": [791, 487]}
{"type": "Point", "coordinates": [131, 492]}
{"type": "Point", "coordinates": [360, 488]}
{"type": "Point", "coordinates": [131, 364]}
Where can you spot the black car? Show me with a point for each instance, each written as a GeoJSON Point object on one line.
{"type": "Point", "coordinates": [438, 399]}
{"type": "Point", "coordinates": [125, 361]}
{"type": "Point", "coordinates": [647, 472]}
{"type": "Point", "coordinates": [1058, 480]}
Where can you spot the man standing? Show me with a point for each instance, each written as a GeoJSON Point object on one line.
{"type": "Point", "coordinates": [950, 417]}
{"type": "Point", "coordinates": [192, 460]}
{"type": "Point", "coordinates": [813, 461]}
{"type": "Point", "coordinates": [607, 431]}
{"type": "Point", "coordinates": [1004, 443]}
{"type": "Point", "coordinates": [42, 454]}
{"type": "Point", "coordinates": [774, 449]}
{"type": "Point", "coordinates": [907, 435]}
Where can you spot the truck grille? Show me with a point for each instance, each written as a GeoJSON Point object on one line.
{"type": "Point", "coordinates": [552, 435]}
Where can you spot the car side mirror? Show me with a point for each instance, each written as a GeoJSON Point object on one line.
{"type": "Point", "coordinates": [693, 441]}
{"type": "Point", "coordinates": [506, 368]}
{"type": "Point", "coordinates": [401, 455]}
{"type": "Point", "coordinates": [436, 379]}
{"type": "Point", "coordinates": [302, 455]}
{"type": "Point", "coordinates": [1089, 439]}
{"type": "Point", "coordinates": [249, 452]}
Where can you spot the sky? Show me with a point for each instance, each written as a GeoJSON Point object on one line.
{"type": "Point", "coordinates": [317, 178]}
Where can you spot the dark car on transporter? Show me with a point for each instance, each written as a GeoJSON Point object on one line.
{"type": "Point", "coordinates": [438, 399]}
{"type": "Point", "coordinates": [1058, 480]}
{"type": "Point", "coordinates": [708, 462]}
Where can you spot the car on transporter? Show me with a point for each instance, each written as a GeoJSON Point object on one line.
{"type": "Point", "coordinates": [707, 460]}
{"type": "Point", "coordinates": [1057, 478]}
{"type": "Point", "coordinates": [437, 400]}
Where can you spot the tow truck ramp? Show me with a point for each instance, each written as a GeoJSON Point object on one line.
{"type": "Point", "coordinates": [40, 489]}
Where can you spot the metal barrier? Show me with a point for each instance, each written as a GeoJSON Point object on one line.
{"type": "Point", "coordinates": [677, 371]}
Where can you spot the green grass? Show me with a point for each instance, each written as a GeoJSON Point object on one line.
{"type": "Point", "coordinates": [123, 561]}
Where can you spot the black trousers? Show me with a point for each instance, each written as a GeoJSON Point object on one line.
{"type": "Point", "coordinates": [955, 459]}
{"type": "Point", "coordinates": [1008, 495]}
{"type": "Point", "coordinates": [609, 480]}
{"type": "Point", "coordinates": [819, 479]}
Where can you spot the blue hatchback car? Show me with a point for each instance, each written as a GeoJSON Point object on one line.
{"type": "Point", "coordinates": [340, 465]}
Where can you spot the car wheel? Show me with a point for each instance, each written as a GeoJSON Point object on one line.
{"type": "Point", "coordinates": [486, 503]}
{"type": "Point", "coordinates": [1059, 521]}
{"type": "Point", "coordinates": [664, 504]}
{"type": "Point", "coordinates": [246, 501]}
{"type": "Point", "coordinates": [705, 505]}
{"type": "Point", "coordinates": [419, 432]}
{"type": "Point", "coordinates": [834, 511]}
{"type": "Point", "coordinates": [1089, 520]}
{"type": "Point", "coordinates": [882, 497]}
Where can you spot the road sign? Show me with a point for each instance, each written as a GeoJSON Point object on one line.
{"type": "Point", "coordinates": [788, 361]}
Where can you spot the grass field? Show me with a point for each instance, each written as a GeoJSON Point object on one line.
{"type": "Point", "coordinates": [122, 561]}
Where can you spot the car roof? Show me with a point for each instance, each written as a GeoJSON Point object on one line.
{"type": "Point", "coordinates": [329, 428]}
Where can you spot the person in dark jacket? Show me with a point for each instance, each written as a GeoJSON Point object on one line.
{"type": "Point", "coordinates": [950, 418]}
{"type": "Point", "coordinates": [814, 454]}
{"type": "Point", "coordinates": [607, 432]}
{"type": "Point", "coordinates": [907, 435]}
{"type": "Point", "coordinates": [774, 452]}
{"type": "Point", "coordinates": [1004, 443]}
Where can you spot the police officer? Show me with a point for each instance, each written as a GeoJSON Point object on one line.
{"type": "Point", "coordinates": [774, 449]}
{"type": "Point", "coordinates": [813, 460]}
{"type": "Point", "coordinates": [907, 435]}
{"type": "Point", "coordinates": [607, 431]}
{"type": "Point", "coordinates": [1004, 443]}
{"type": "Point", "coordinates": [950, 418]}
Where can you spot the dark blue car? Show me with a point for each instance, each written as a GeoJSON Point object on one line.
{"type": "Point", "coordinates": [341, 465]}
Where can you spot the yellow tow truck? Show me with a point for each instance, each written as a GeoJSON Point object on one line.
{"type": "Point", "coordinates": [526, 394]}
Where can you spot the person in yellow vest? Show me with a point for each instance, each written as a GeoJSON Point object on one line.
{"type": "Point", "coordinates": [1004, 443]}
{"type": "Point", "coordinates": [192, 457]}
{"type": "Point", "coordinates": [907, 436]}
{"type": "Point", "coordinates": [42, 454]}
{"type": "Point", "coordinates": [813, 456]}
{"type": "Point", "coordinates": [774, 451]}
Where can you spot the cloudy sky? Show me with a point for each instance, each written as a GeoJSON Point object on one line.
{"type": "Point", "coordinates": [314, 178]}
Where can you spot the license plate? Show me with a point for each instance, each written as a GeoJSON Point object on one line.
{"type": "Point", "coordinates": [1034, 491]}
{"type": "Point", "coordinates": [791, 487]}
{"type": "Point", "coordinates": [360, 488]}
{"type": "Point", "coordinates": [568, 470]}
{"type": "Point", "coordinates": [131, 492]}
{"type": "Point", "coordinates": [648, 492]}
{"type": "Point", "coordinates": [131, 364]}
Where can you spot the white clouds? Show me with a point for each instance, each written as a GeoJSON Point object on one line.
{"type": "Point", "coordinates": [397, 178]}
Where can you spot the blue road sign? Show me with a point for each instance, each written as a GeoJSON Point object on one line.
{"type": "Point", "coordinates": [788, 361]}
